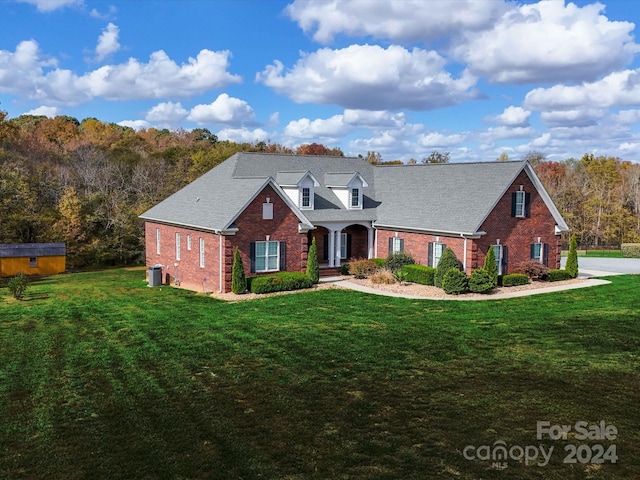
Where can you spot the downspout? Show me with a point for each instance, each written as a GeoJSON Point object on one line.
{"type": "Point", "coordinates": [464, 261]}
{"type": "Point", "coordinates": [220, 264]}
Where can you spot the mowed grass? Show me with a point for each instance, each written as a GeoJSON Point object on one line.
{"type": "Point", "coordinates": [102, 377]}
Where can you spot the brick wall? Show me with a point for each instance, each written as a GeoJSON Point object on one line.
{"type": "Point", "coordinates": [519, 233]}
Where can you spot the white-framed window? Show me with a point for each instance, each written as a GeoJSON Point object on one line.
{"type": "Point", "coordinates": [201, 252]}
{"type": "Point", "coordinates": [267, 211]}
{"type": "Point", "coordinates": [178, 241]}
{"type": "Point", "coordinates": [537, 252]}
{"type": "Point", "coordinates": [438, 248]}
{"type": "Point", "coordinates": [355, 198]}
{"type": "Point", "coordinates": [267, 256]}
{"type": "Point", "coordinates": [397, 245]}
{"type": "Point", "coordinates": [343, 246]}
{"type": "Point", "coordinates": [498, 252]}
{"type": "Point", "coordinates": [189, 242]}
{"type": "Point", "coordinates": [305, 201]}
{"type": "Point", "coordinates": [520, 208]}
{"type": "Point", "coordinates": [158, 241]}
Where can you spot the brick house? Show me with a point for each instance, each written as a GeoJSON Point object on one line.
{"type": "Point", "coordinates": [270, 206]}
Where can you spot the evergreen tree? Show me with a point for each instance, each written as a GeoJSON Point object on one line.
{"type": "Point", "coordinates": [448, 260]}
{"type": "Point", "coordinates": [572, 260]}
{"type": "Point", "coordinates": [490, 265]}
{"type": "Point", "coordinates": [238, 280]}
{"type": "Point", "coordinates": [313, 267]}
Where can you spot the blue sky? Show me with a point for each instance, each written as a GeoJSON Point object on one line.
{"type": "Point", "coordinates": [403, 78]}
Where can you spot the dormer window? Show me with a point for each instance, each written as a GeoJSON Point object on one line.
{"type": "Point", "coordinates": [355, 198]}
{"type": "Point", "coordinates": [306, 198]}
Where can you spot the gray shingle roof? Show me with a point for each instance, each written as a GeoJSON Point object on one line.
{"type": "Point", "coordinates": [8, 250]}
{"type": "Point", "coordinates": [454, 198]}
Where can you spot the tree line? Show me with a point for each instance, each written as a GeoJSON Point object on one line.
{"type": "Point", "coordinates": [85, 183]}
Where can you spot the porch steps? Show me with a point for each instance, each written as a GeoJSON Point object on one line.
{"type": "Point", "coordinates": [329, 271]}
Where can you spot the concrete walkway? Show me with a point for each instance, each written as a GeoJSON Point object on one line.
{"type": "Point", "coordinates": [344, 283]}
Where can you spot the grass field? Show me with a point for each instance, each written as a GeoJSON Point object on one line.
{"type": "Point", "coordinates": [102, 377]}
{"type": "Point", "coordinates": [597, 253]}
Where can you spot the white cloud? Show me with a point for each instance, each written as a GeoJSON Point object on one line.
{"type": "Point", "coordinates": [22, 73]}
{"type": "Point", "coordinates": [580, 117]}
{"type": "Point", "coordinates": [374, 119]}
{"type": "Point", "coordinates": [513, 117]}
{"type": "Point", "coordinates": [243, 135]}
{"type": "Point", "coordinates": [549, 41]}
{"type": "Point", "coordinates": [406, 20]}
{"type": "Point", "coordinates": [439, 140]}
{"type": "Point", "coordinates": [167, 113]}
{"type": "Point", "coordinates": [135, 124]}
{"type": "Point", "coordinates": [107, 42]}
{"type": "Point", "coordinates": [503, 133]}
{"type": "Point", "coordinates": [372, 78]}
{"type": "Point", "coordinates": [51, 5]}
{"type": "Point", "coordinates": [225, 109]}
{"type": "Point", "coordinates": [616, 89]}
{"type": "Point", "coordinates": [44, 110]}
{"type": "Point", "coordinates": [304, 128]}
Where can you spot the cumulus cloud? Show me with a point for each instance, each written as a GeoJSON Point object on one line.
{"type": "Point", "coordinates": [502, 133]}
{"type": "Point", "coordinates": [135, 124]}
{"type": "Point", "coordinates": [372, 78]}
{"type": "Point", "coordinates": [225, 110]}
{"type": "Point", "coordinates": [407, 20]}
{"type": "Point", "coordinates": [243, 135]}
{"type": "Point", "coordinates": [580, 117]}
{"type": "Point", "coordinates": [513, 117]}
{"type": "Point", "coordinates": [167, 113]}
{"type": "Point", "coordinates": [51, 5]}
{"type": "Point", "coordinates": [439, 140]}
{"type": "Point", "coordinates": [108, 42]}
{"type": "Point", "coordinates": [333, 127]}
{"type": "Point", "coordinates": [23, 73]}
{"type": "Point", "coordinates": [549, 41]}
{"type": "Point", "coordinates": [44, 110]}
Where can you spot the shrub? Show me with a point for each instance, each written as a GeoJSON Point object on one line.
{"type": "Point", "coordinates": [490, 266]}
{"type": "Point", "coordinates": [383, 277]}
{"type": "Point", "coordinates": [559, 275]}
{"type": "Point", "coordinates": [344, 269]}
{"type": "Point", "coordinates": [533, 269]}
{"type": "Point", "coordinates": [280, 282]}
{"type": "Point", "coordinates": [630, 250]}
{"type": "Point", "coordinates": [362, 268]}
{"type": "Point", "coordinates": [238, 280]}
{"type": "Point", "coordinates": [572, 259]}
{"type": "Point", "coordinates": [17, 285]}
{"type": "Point", "coordinates": [379, 262]}
{"type": "Point", "coordinates": [514, 279]}
{"type": "Point", "coordinates": [313, 266]}
{"type": "Point", "coordinates": [455, 282]}
{"type": "Point", "coordinates": [421, 274]}
{"type": "Point", "coordinates": [480, 281]}
{"type": "Point", "coordinates": [448, 260]}
{"type": "Point", "coordinates": [395, 261]}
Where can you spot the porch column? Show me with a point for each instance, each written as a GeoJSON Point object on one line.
{"type": "Point", "coordinates": [338, 247]}
{"type": "Point", "coordinates": [331, 252]}
{"type": "Point", "coordinates": [370, 233]}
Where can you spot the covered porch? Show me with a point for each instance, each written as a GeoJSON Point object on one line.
{"type": "Point", "coordinates": [339, 242]}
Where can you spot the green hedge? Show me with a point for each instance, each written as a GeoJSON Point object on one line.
{"type": "Point", "coordinates": [379, 261]}
{"type": "Point", "coordinates": [630, 250]}
{"type": "Point", "coordinates": [558, 275]}
{"type": "Point", "coordinates": [421, 274]}
{"type": "Point", "coordinates": [481, 281]}
{"type": "Point", "coordinates": [514, 279]}
{"type": "Point", "coordinates": [279, 282]}
{"type": "Point", "coordinates": [455, 282]}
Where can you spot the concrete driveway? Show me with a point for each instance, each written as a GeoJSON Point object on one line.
{"type": "Point", "coordinates": [600, 267]}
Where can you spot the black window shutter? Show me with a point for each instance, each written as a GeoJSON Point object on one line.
{"type": "Point", "coordinates": [283, 256]}
{"type": "Point", "coordinates": [252, 256]}
{"type": "Point", "coordinates": [513, 204]}
{"type": "Point", "coordinates": [545, 253]}
{"type": "Point", "coordinates": [390, 245]}
{"type": "Point", "coordinates": [348, 245]}
{"type": "Point", "coordinates": [532, 249]}
{"type": "Point", "coordinates": [402, 244]}
{"type": "Point", "coordinates": [444, 247]}
{"type": "Point", "coordinates": [527, 205]}
{"type": "Point", "coordinates": [430, 255]}
{"type": "Point", "coordinates": [325, 247]}
{"type": "Point", "coordinates": [504, 260]}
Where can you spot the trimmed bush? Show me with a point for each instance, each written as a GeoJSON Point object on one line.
{"type": "Point", "coordinates": [362, 268]}
{"type": "Point", "coordinates": [379, 262]}
{"type": "Point", "coordinates": [448, 260]}
{"type": "Point", "coordinates": [533, 269]}
{"type": "Point", "coordinates": [480, 281]}
{"type": "Point", "coordinates": [572, 259]}
{"type": "Point", "coordinates": [490, 266]}
{"type": "Point", "coordinates": [383, 277]}
{"type": "Point", "coordinates": [17, 285]}
{"type": "Point", "coordinates": [514, 279]}
{"type": "Point", "coordinates": [280, 282]}
{"type": "Point", "coordinates": [455, 282]}
{"type": "Point", "coordinates": [559, 275]}
{"type": "Point", "coordinates": [238, 280]}
{"type": "Point", "coordinates": [395, 261]}
{"type": "Point", "coordinates": [421, 274]}
{"type": "Point", "coordinates": [630, 250]}
{"type": "Point", "coordinates": [344, 269]}
{"type": "Point", "coordinates": [313, 266]}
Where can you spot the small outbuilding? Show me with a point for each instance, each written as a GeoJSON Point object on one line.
{"type": "Point", "coordinates": [32, 258]}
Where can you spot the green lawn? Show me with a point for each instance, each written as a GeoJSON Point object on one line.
{"type": "Point", "coordinates": [597, 253]}
{"type": "Point", "coordinates": [102, 377]}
